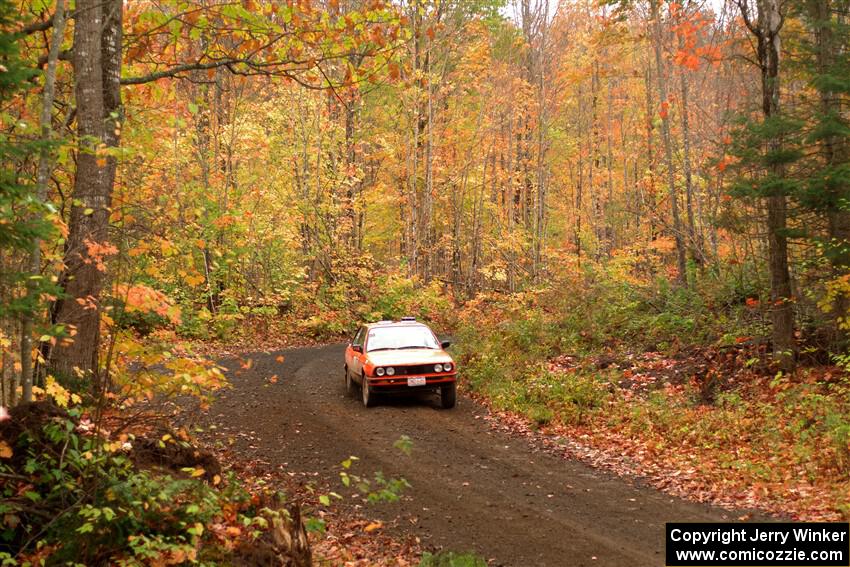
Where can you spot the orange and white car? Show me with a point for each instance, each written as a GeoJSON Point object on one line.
{"type": "Point", "coordinates": [392, 357]}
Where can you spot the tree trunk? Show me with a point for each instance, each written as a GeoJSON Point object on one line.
{"type": "Point", "coordinates": [694, 242]}
{"type": "Point", "coordinates": [681, 257]}
{"type": "Point", "coordinates": [766, 30]}
{"type": "Point", "coordinates": [780, 276]}
{"type": "Point", "coordinates": [97, 69]}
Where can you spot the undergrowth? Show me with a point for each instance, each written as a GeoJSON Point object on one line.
{"type": "Point", "coordinates": [70, 496]}
{"type": "Point", "coordinates": [741, 425]}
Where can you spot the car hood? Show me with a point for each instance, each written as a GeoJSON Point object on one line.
{"type": "Point", "coordinates": [408, 356]}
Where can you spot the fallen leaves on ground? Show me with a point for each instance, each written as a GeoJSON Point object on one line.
{"type": "Point", "coordinates": [748, 478]}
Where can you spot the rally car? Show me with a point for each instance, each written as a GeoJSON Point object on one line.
{"type": "Point", "coordinates": [394, 357]}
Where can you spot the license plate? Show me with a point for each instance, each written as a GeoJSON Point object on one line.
{"type": "Point", "coordinates": [417, 381]}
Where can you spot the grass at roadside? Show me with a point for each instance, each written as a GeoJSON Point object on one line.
{"type": "Point", "coordinates": [699, 412]}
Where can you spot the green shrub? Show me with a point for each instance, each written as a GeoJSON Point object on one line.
{"type": "Point", "coordinates": [451, 559]}
{"type": "Point", "coordinates": [83, 502]}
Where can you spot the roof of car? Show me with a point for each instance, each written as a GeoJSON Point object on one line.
{"type": "Point", "coordinates": [402, 323]}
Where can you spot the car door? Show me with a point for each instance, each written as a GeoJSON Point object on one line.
{"type": "Point", "coordinates": [354, 359]}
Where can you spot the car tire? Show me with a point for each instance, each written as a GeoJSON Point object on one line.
{"type": "Point", "coordinates": [349, 383]}
{"type": "Point", "coordinates": [366, 393]}
{"type": "Point", "coordinates": [448, 395]}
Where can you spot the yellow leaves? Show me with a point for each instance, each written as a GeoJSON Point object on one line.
{"type": "Point", "coordinates": [174, 375]}
{"type": "Point", "coordinates": [113, 446]}
{"type": "Point", "coordinates": [195, 280]}
{"type": "Point", "coordinates": [5, 450]}
{"type": "Point", "coordinates": [180, 556]}
{"type": "Point", "coordinates": [835, 289]}
{"type": "Point", "coordinates": [198, 472]}
{"type": "Point", "coordinates": [139, 250]}
{"type": "Point", "coordinates": [60, 395]}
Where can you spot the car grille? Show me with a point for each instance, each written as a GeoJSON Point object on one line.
{"type": "Point", "coordinates": [414, 370]}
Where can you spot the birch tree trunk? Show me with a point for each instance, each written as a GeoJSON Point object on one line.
{"type": "Point", "coordinates": [681, 258]}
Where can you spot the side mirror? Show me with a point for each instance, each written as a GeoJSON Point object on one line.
{"type": "Point", "coordinates": [445, 344]}
{"type": "Point", "coordinates": [357, 348]}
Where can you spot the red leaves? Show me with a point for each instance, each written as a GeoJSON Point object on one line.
{"type": "Point", "coordinates": [394, 70]}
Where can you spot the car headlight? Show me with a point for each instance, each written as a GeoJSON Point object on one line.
{"type": "Point", "coordinates": [447, 367]}
{"type": "Point", "coordinates": [390, 371]}
{"type": "Point", "coordinates": [379, 371]}
{"type": "Point", "coordinates": [438, 368]}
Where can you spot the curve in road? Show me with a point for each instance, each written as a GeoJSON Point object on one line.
{"type": "Point", "coordinates": [473, 488]}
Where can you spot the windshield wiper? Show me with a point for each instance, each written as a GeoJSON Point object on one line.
{"type": "Point", "coordinates": [416, 346]}
{"type": "Point", "coordinates": [383, 348]}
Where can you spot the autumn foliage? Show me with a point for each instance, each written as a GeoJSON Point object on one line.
{"type": "Point", "coordinates": [636, 222]}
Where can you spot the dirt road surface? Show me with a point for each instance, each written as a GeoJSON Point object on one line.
{"type": "Point", "coordinates": [473, 488]}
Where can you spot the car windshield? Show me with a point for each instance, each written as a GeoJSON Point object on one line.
{"type": "Point", "coordinates": [394, 338]}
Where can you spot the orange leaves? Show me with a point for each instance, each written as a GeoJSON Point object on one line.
{"type": "Point", "coordinates": [96, 252]}
{"type": "Point", "coordinates": [224, 221]}
{"type": "Point", "coordinates": [665, 109]}
{"type": "Point", "coordinates": [139, 298]}
{"type": "Point", "coordinates": [5, 450]}
{"type": "Point", "coordinates": [724, 162]}
{"type": "Point", "coordinates": [692, 48]}
{"type": "Point", "coordinates": [686, 59]}
{"type": "Point", "coordinates": [376, 525]}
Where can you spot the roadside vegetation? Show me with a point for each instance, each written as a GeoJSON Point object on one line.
{"type": "Point", "coordinates": [679, 382]}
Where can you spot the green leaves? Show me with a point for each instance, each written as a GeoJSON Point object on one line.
{"type": "Point", "coordinates": [404, 444]}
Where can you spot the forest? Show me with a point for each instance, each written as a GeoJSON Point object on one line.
{"type": "Point", "coordinates": [632, 216]}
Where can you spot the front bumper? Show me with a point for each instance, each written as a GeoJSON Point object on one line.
{"type": "Point", "coordinates": [387, 384]}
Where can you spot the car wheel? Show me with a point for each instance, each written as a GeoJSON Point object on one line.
{"type": "Point", "coordinates": [349, 383]}
{"type": "Point", "coordinates": [448, 395]}
{"type": "Point", "coordinates": [366, 393]}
